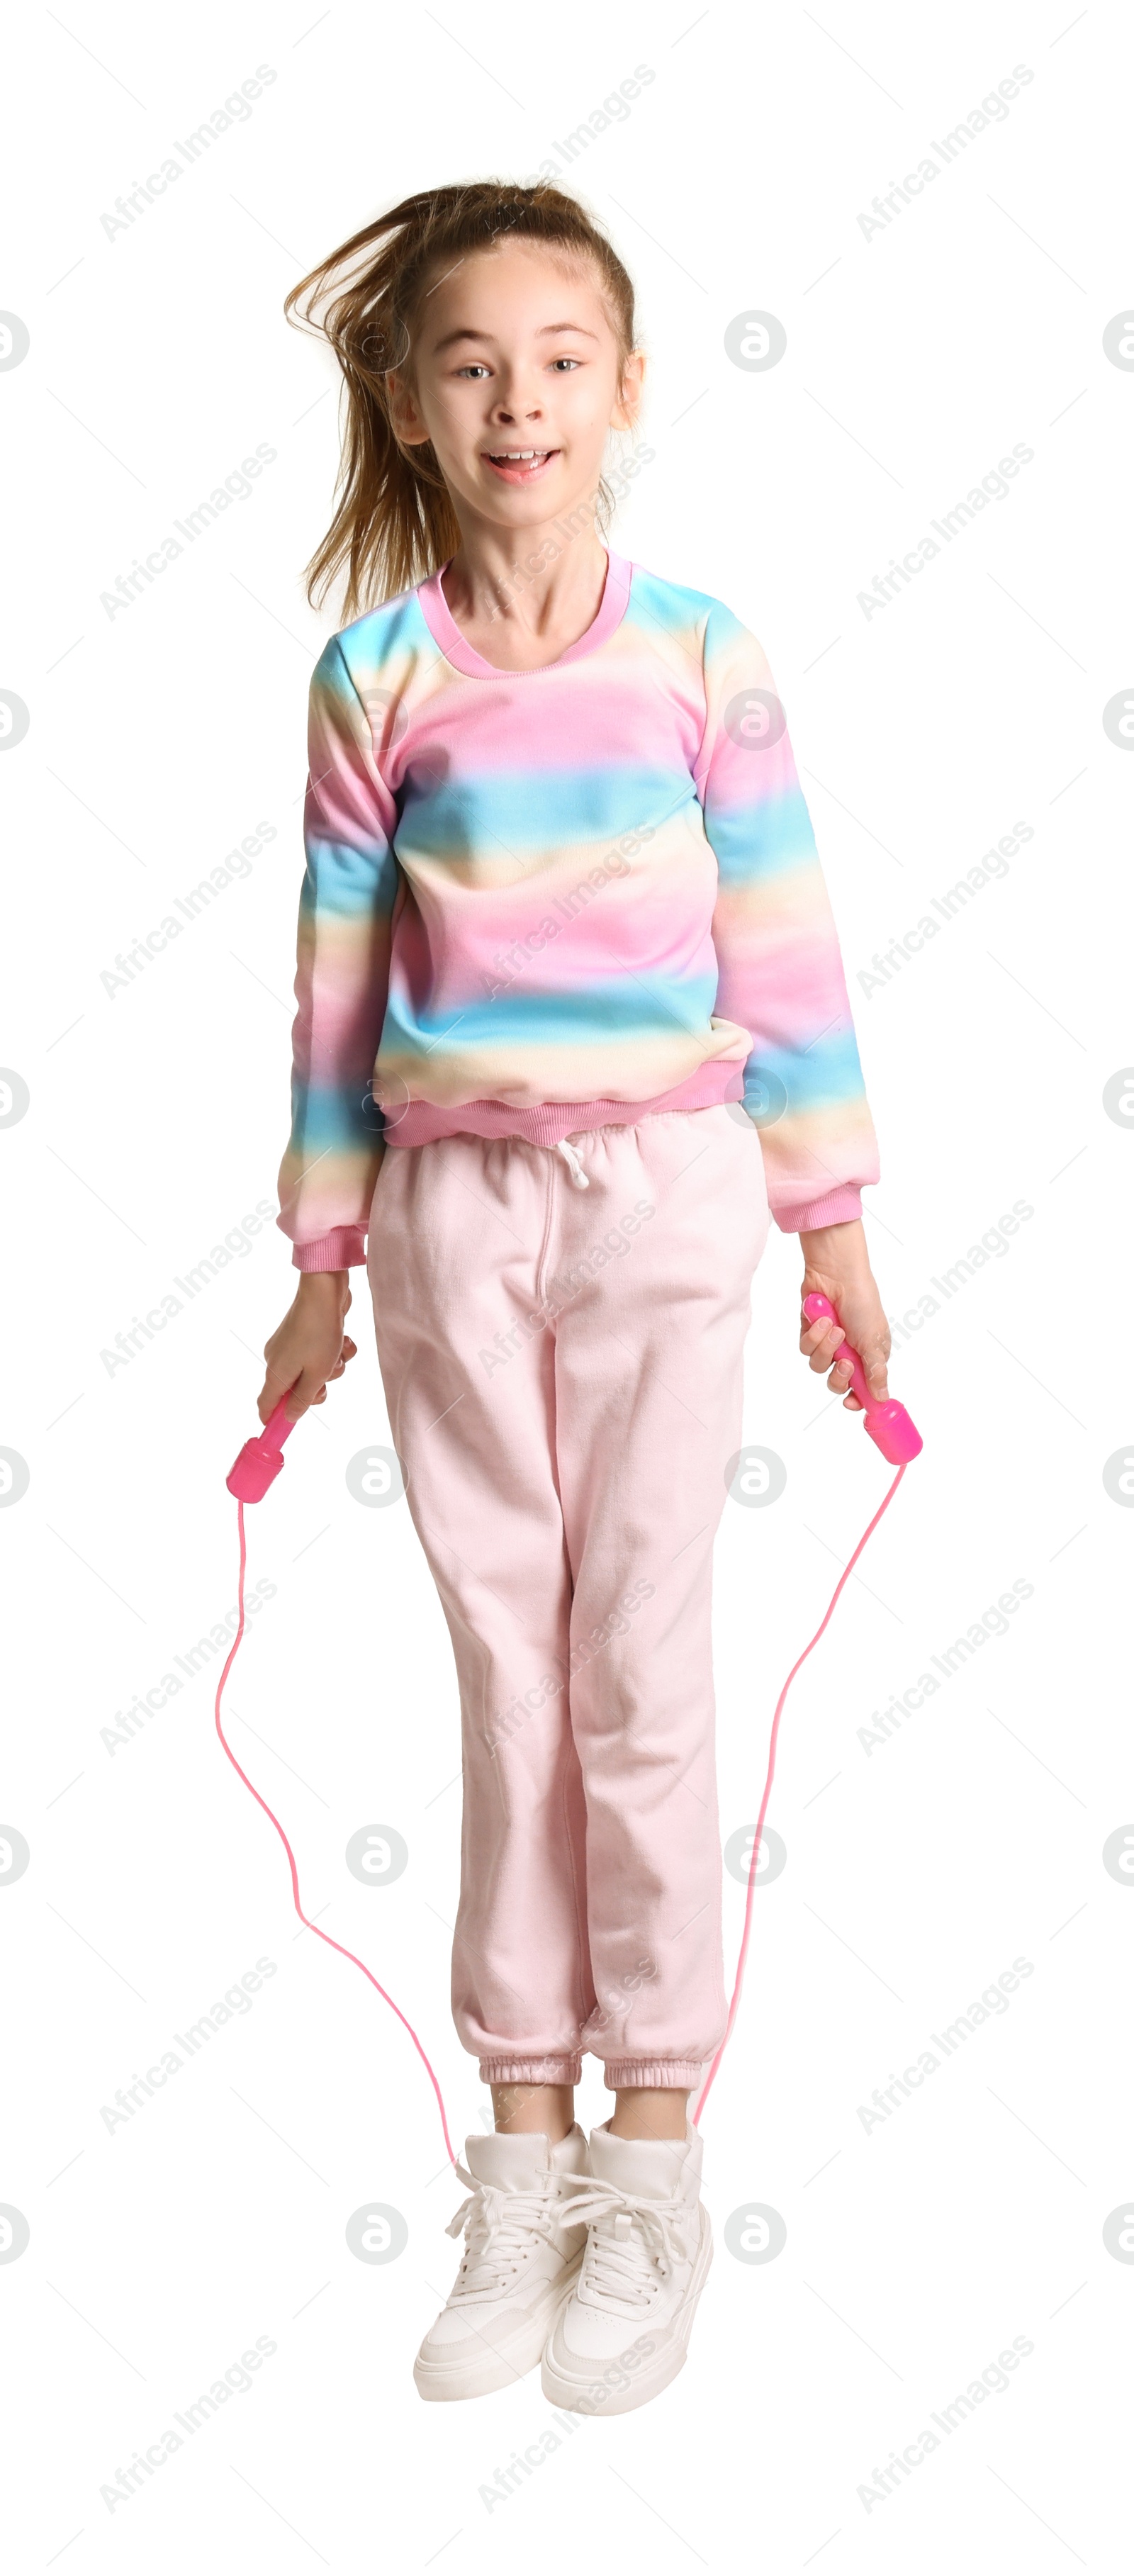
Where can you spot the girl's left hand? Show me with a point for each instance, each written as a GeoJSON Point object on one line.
{"type": "Point", "coordinates": [838, 1266]}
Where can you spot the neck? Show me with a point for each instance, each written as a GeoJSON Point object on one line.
{"type": "Point", "coordinates": [544, 581]}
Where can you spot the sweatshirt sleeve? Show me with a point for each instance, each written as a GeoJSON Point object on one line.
{"type": "Point", "coordinates": [781, 972]}
{"type": "Point", "coordinates": [346, 904]}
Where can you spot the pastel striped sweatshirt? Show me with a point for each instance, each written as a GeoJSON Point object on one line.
{"type": "Point", "coordinates": [541, 901]}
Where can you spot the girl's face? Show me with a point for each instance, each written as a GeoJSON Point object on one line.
{"type": "Point", "coordinates": [516, 381]}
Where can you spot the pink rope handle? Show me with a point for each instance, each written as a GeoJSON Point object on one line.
{"type": "Point", "coordinates": [273, 1819]}
{"type": "Point", "coordinates": [844, 1577]}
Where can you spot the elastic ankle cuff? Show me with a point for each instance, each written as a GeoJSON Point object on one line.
{"type": "Point", "coordinates": [530, 2070]}
{"type": "Point", "coordinates": [662, 2074]}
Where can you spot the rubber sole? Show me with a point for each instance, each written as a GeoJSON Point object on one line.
{"type": "Point", "coordinates": [444, 2383]}
{"type": "Point", "coordinates": [586, 2392]}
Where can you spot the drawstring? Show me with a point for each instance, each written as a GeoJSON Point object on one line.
{"type": "Point", "coordinates": [574, 1166]}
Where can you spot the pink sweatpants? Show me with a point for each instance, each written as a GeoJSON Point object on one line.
{"type": "Point", "coordinates": [563, 1371]}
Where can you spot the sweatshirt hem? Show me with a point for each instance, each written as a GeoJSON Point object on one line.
{"type": "Point", "coordinates": [550, 1120]}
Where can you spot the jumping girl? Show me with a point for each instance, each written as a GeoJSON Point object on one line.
{"type": "Point", "coordinates": [572, 1025]}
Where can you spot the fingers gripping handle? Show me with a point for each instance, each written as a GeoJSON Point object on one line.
{"type": "Point", "coordinates": [260, 1460]}
{"type": "Point", "coordinates": [887, 1421]}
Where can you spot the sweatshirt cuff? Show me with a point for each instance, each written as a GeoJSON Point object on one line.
{"type": "Point", "coordinates": [338, 1250]}
{"type": "Point", "coordinates": [839, 1207]}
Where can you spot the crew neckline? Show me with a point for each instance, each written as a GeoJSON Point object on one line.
{"type": "Point", "coordinates": [447, 634]}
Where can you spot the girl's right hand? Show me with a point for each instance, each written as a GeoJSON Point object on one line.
{"type": "Point", "coordinates": [310, 1346]}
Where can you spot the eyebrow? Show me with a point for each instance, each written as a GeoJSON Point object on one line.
{"type": "Point", "coordinates": [546, 329]}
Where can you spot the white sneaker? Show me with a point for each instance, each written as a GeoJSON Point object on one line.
{"type": "Point", "coordinates": [624, 2332]}
{"type": "Point", "coordinates": [521, 2261]}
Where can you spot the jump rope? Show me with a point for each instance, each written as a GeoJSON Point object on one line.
{"type": "Point", "coordinates": [257, 1467]}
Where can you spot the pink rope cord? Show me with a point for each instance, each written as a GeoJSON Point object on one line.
{"type": "Point", "coordinates": [844, 1577]}
{"type": "Point", "coordinates": [320, 1935]}
{"type": "Point", "coordinates": [273, 1819]}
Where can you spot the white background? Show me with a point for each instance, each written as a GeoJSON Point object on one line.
{"type": "Point", "coordinates": [917, 1871]}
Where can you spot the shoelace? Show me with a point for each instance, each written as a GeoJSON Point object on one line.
{"type": "Point", "coordinates": [622, 2261]}
{"type": "Point", "coordinates": [498, 2228]}
{"type": "Point", "coordinates": [574, 1166]}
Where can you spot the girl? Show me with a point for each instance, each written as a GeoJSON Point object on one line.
{"type": "Point", "coordinates": [564, 948]}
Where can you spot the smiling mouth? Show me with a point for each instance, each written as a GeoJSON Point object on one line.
{"type": "Point", "coordinates": [519, 463]}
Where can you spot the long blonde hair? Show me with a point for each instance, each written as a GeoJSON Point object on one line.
{"type": "Point", "coordinates": [394, 522]}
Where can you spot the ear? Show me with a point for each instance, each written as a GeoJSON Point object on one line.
{"type": "Point", "coordinates": [405, 419]}
{"type": "Point", "coordinates": [628, 401]}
